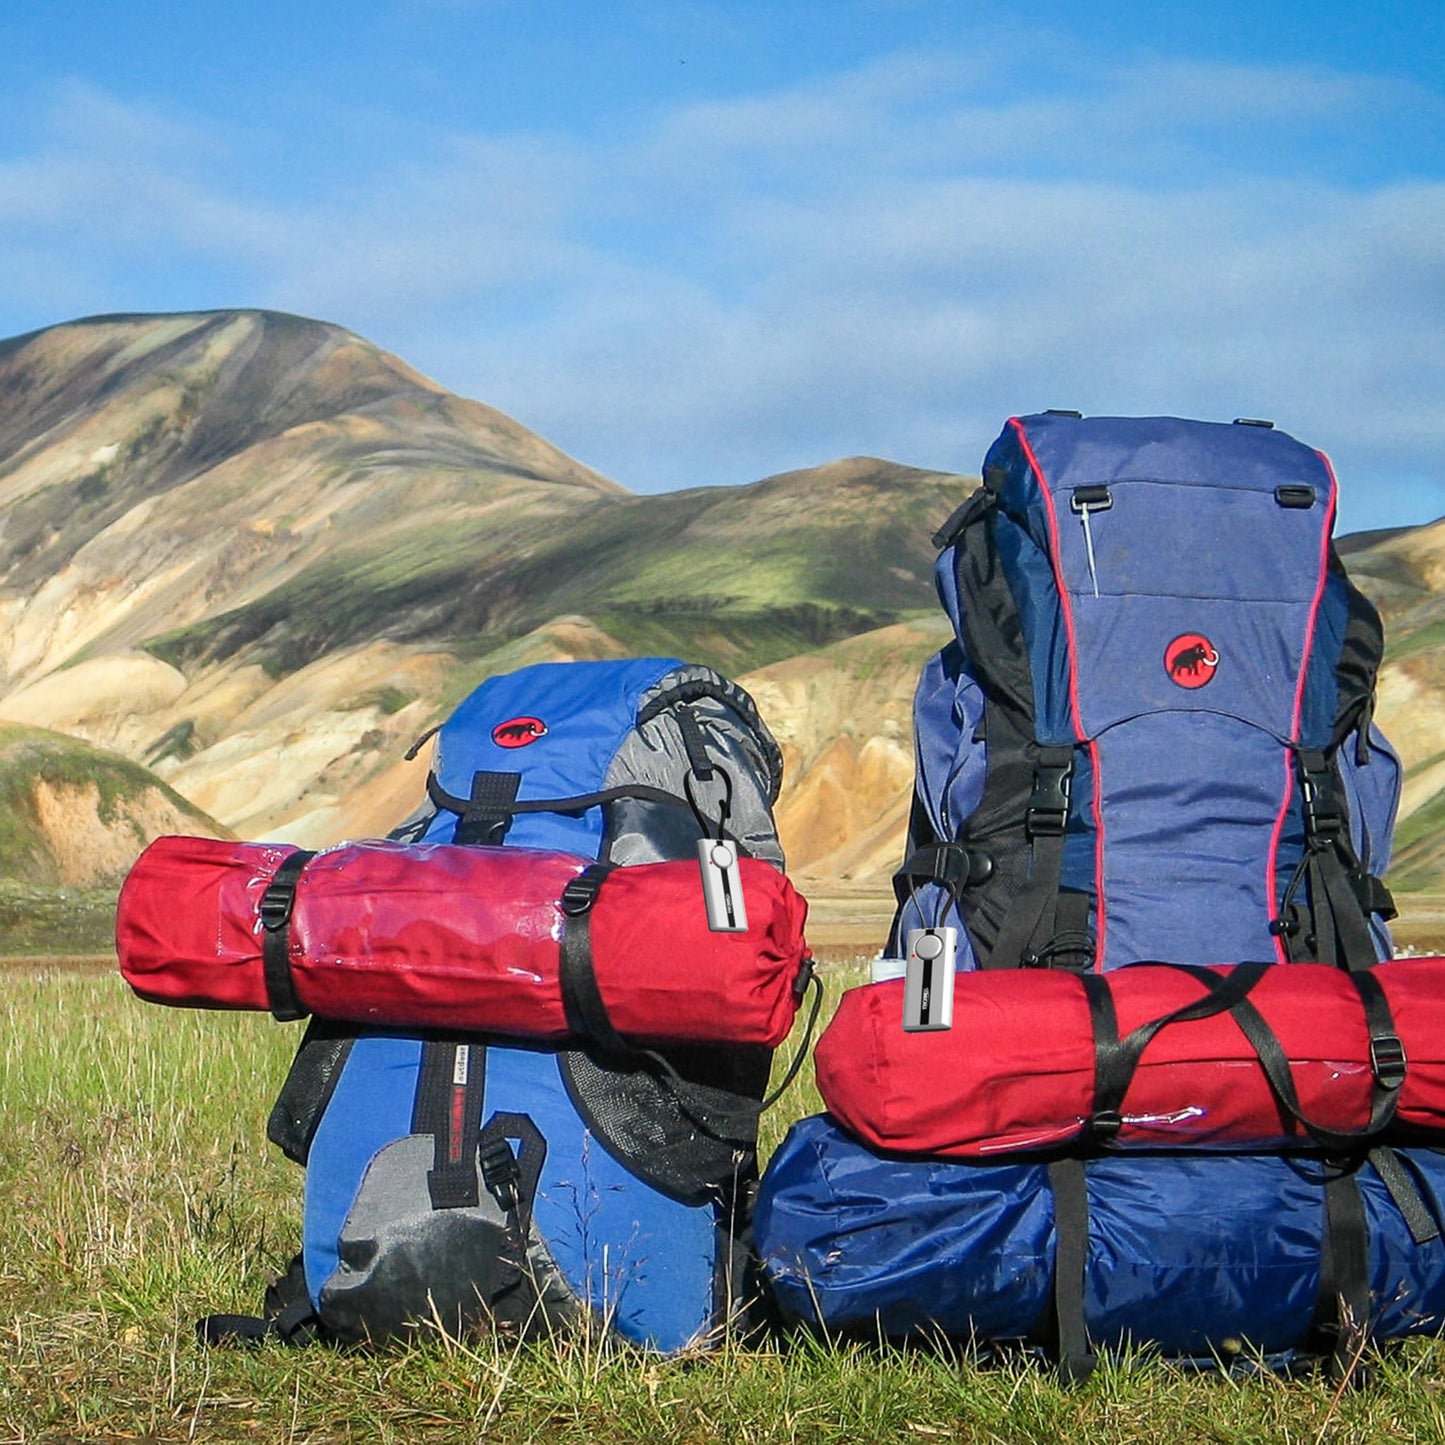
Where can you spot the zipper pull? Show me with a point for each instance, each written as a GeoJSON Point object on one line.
{"type": "Point", "coordinates": [1084, 501]}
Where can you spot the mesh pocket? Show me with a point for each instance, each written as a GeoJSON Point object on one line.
{"type": "Point", "coordinates": [693, 1135]}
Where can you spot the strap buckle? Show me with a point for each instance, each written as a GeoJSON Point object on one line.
{"type": "Point", "coordinates": [277, 903]}
{"type": "Point", "coordinates": [1104, 1126]}
{"type": "Point", "coordinates": [1387, 1061]}
{"type": "Point", "coordinates": [1322, 818]}
{"type": "Point", "coordinates": [501, 1174]}
{"type": "Point", "coordinates": [1048, 809]}
{"type": "Point", "coordinates": [581, 892]}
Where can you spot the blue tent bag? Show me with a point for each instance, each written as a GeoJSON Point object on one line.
{"type": "Point", "coordinates": [1198, 1255]}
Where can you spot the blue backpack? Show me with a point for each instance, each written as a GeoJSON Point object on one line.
{"type": "Point", "coordinates": [1151, 736]}
{"type": "Point", "coordinates": [576, 1188]}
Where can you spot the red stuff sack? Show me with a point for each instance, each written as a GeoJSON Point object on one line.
{"type": "Point", "coordinates": [1152, 1056]}
{"type": "Point", "coordinates": [511, 941]}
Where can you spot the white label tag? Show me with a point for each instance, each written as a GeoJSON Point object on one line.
{"type": "Point", "coordinates": [722, 886]}
{"type": "Point", "coordinates": [928, 985]}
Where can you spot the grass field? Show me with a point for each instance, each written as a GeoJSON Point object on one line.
{"type": "Point", "coordinates": [137, 1193]}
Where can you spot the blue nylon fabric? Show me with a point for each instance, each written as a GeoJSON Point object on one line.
{"type": "Point", "coordinates": [370, 1107]}
{"type": "Point", "coordinates": [657, 1275]}
{"type": "Point", "coordinates": [636, 1256]}
{"type": "Point", "coordinates": [1180, 489]}
{"type": "Point", "coordinates": [1185, 1251]}
{"type": "Point", "coordinates": [1202, 790]}
{"type": "Point", "coordinates": [588, 709]}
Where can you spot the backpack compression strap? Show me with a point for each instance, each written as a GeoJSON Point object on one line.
{"type": "Point", "coordinates": [1030, 935]}
{"type": "Point", "coordinates": [1116, 1058]}
{"type": "Point", "coordinates": [277, 903]}
{"type": "Point", "coordinates": [1341, 895]}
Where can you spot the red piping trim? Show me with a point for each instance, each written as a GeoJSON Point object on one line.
{"type": "Point", "coordinates": [1066, 607]}
{"type": "Point", "coordinates": [1271, 866]}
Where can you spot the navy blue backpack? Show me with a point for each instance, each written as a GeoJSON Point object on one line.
{"type": "Point", "coordinates": [580, 1189]}
{"type": "Point", "coordinates": [1151, 736]}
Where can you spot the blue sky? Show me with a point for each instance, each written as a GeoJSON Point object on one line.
{"type": "Point", "coordinates": [699, 242]}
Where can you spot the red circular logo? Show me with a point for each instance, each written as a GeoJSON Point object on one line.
{"type": "Point", "coordinates": [517, 732]}
{"type": "Point", "coordinates": [1190, 660]}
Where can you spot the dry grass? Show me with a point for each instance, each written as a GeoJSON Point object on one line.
{"type": "Point", "coordinates": [137, 1193]}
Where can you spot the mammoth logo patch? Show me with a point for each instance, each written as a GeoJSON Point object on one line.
{"type": "Point", "coordinates": [517, 732]}
{"type": "Point", "coordinates": [1190, 660]}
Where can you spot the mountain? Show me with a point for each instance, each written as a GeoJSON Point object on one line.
{"type": "Point", "coordinates": [258, 555]}
{"type": "Point", "coordinates": [254, 557]}
{"type": "Point", "coordinates": [75, 816]}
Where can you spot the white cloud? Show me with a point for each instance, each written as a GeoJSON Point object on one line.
{"type": "Point", "coordinates": [889, 261]}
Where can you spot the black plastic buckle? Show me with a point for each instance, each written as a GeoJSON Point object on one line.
{"type": "Point", "coordinates": [276, 904]}
{"type": "Point", "coordinates": [500, 1173]}
{"type": "Point", "coordinates": [581, 893]}
{"type": "Point", "coordinates": [1105, 1125]}
{"type": "Point", "coordinates": [1387, 1061]}
{"type": "Point", "coordinates": [1323, 821]}
{"type": "Point", "coordinates": [1048, 809]}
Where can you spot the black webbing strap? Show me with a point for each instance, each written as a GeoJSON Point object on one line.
{"type": "Point", "coordinates": [1402, 1189]}
{"type": "Point", "coordinates": [1116, 1059]}
{"type": "Point", "coordinates": [1071, 946]}
{"type": "Point", "coordinates": [450, 1091]}
{"type": "Point", "coordinates": [512, 1178]}
{"type": "Point", "coordinates": [289, 1316]}
{"type": "Point", "coordinates": [1387, 1065]}
{"type": "Point", "coordinates": [1341, 924]}
{"type": "Point", "coordinates": [1030, 919]}
{"type": "Point", "coordinates": [1342, 1310]}
{"type": "Point", "coordinates": [1076, 1359]}
{"type": "Point", "coordinates": [488, 812]}
{"type": "Point", "coordinates": [586, 1013]}
{"type": "Point", "coordinates": [276, 904]}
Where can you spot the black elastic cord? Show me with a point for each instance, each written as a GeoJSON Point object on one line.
{"type": "Point", "coordinates": [277, 903]}
{"type": "Point", "coordinates": [725, 804]}
{"type": "Point", "coordinates": [816, 984]}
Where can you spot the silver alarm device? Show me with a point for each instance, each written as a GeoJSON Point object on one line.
{"type": "Point", "coordinates": [928, 982]}
{"type": "Point", "coordinates": [722, 886]}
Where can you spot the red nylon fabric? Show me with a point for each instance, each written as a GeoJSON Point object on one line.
{"type": "Point", "coordinates": [438, 936]}
{"type": "Point", "coordinates": [1016, 1070]}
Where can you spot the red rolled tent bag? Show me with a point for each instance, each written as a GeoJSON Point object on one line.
{"type": "Point", "coordinates": [1151, 1056]}
{"type": "Point", "coordinates": [512, 941]}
